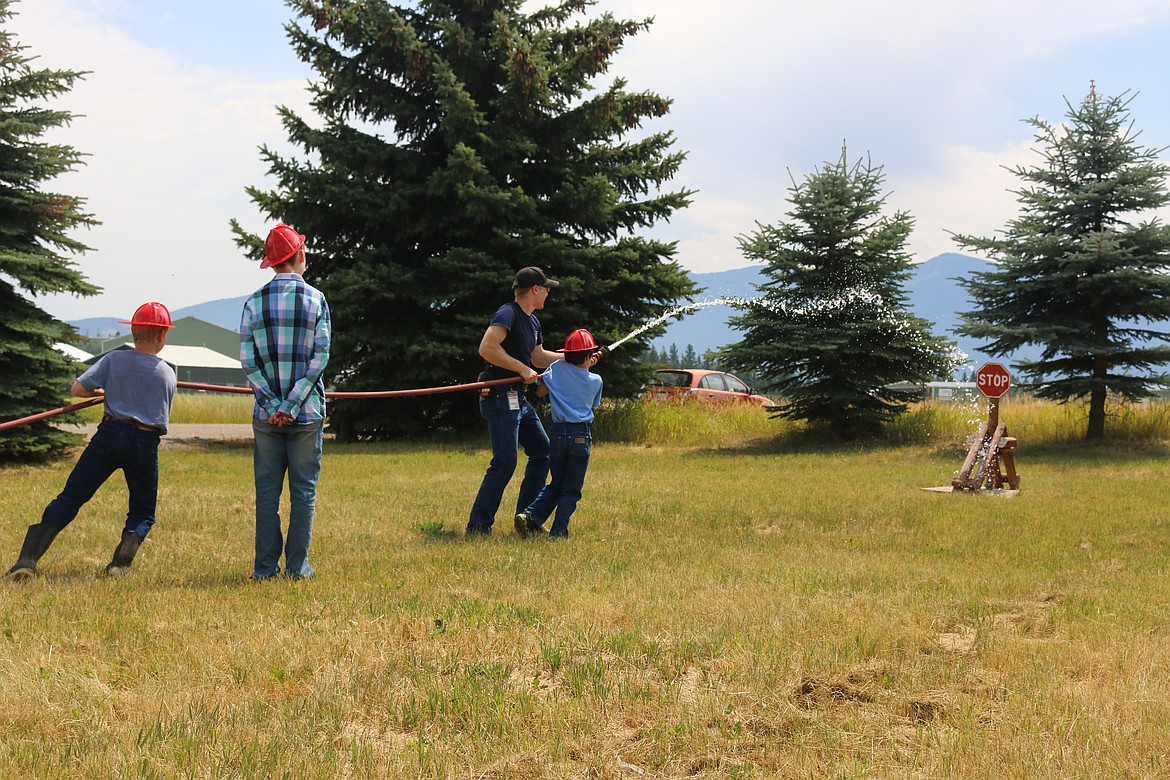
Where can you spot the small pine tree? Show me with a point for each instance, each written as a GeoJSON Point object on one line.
{"type": "Point", "coordinates": [832, 330]}
{"type": "Point", "coordinates": [33, 244]}
{"type": "Point", "coordinates": [1076, 273]}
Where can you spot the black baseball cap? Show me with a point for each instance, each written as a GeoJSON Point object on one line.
{"type": "Point", "coordinates": [530, 277]}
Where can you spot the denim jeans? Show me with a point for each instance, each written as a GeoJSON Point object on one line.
{"type": "Point", "coordinates": [571, 445]}
{"type": "Point", "coordinates": [509, 430]}
{"type": "Point", "coordinates": [114, 446]}
{"type": "Point", "coordinates": [295, 450]}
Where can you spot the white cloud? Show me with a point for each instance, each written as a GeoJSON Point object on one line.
{"type": "Point", "coordinates": [933, 92]}
{"type": "Point", "coordinates": [170, 149]}
{"type": "Point", "coordinates": [970, 192]}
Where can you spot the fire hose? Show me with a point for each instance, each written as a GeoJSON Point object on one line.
{"type": "Point", "coordinates": [248, 391]}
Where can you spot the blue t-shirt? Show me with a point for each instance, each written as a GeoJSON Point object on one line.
{"type": "Point", "coordinates": [524, 334]}
{"type": "Point", "coordinates": [138, 386]}
{"type": "Point", "coordinates": [575, 392]}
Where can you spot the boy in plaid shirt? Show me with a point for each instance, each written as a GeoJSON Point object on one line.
{"type": "Point", "coordinates": [284, 348]}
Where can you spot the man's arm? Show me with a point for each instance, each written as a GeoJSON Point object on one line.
{"type": "Point", "coordinates": [542, 358]}
{"type": "Point", "coordinates": [491, 349]}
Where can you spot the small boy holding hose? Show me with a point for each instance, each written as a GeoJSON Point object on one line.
{"type": "Point", "coordinates": [137, 387]}
{"type": "Point", "coordinates": [575, 392]}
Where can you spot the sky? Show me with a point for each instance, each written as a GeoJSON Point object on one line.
{"type": "Point", "coordinates": [182, 93]}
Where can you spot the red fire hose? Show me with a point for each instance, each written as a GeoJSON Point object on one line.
{"type": "Point", "coordinates": [361, 394]}
{"type": "Point", "coordinates": [248, 391]}
{"type": "Point", "coordinates": [32, 418]}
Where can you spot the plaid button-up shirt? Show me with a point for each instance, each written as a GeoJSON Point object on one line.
{"type": "Point", "coordinates": [284, 348]}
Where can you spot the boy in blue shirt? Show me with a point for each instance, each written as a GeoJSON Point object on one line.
{"type": "Point", "coordinates": [575, 392]}
{"type": "Point", "coordinates": [137, 387]}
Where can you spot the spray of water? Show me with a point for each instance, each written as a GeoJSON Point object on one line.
{"type": "Point", "coordinates": [684, 309]}
{"type": "Point", "coordinates": [808, 309]}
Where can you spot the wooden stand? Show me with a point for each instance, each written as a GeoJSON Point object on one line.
{"type": "Point", "coordinates": [991, 446]}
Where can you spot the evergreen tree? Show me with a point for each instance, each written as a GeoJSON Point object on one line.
{"type": "Point", "coordinates": [1076, 272]}
{"type": "Point", "coordinates": [461, 140]}
{"type": "Point", "coordinates": [690, 357]}
{"type": "Point", "coordinates": [672, 356]}
{"type": "Point", "coordinates": [33, 247]}
{"type": "Point", "coordinates": [831, 329]}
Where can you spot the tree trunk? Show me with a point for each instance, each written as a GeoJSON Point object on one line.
{"type": "Point", "coordinates": [1097, 395]}
{"type": "Point", "coordinates": [1097, 401]}
{"type": "Point", "coordinates": [1096, 414]}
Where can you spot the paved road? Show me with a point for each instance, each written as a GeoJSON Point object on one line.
{"type": "Point", "coordinates": [194, 434]}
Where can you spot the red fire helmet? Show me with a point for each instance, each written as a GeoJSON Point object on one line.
{"type": "Point", "coordinates": [281, 244]}
{"type": "Point", "coordinates": [580, 340]}
{"type": "Point", "coordinates": [153, 314]}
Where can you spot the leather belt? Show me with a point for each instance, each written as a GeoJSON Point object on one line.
{"type": "Point", "coordinates": [135, 423]}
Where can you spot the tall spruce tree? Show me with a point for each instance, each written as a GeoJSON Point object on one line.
{"type": "Point", "coordinates": [34, 244]}
{"type": "Point", "coordinates": [460, 140]}
{"type": "Point", "coordinates": [831, 330]}
{"type": "Point", "coordinates": [1077, 272]}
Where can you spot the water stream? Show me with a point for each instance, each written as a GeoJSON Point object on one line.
{"type": "Point", "coordinates": [677, 310]}
{"type": "Point", "coordinates": [809, 309]}
{"type": "Point", "coordinates": [812, 308]}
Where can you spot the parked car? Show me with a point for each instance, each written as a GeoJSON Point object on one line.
{"type": "Point", "coordinates": [667, 384]}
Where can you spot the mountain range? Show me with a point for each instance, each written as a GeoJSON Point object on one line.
{"type": "Point", "coordinates": [933, 291]}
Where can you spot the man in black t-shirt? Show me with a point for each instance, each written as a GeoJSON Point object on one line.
{"type": "Point", "coordinates": [513, 345]}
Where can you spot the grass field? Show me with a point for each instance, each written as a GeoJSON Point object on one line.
{"type": "Point", "coordinates": [737, 600]}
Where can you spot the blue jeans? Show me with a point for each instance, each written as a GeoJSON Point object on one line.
{"type": "Point", "coordinates": [114, 446]}
{"type": "Point", "coordinates": [571, 445]}
{"type": "Point", "coordinates": [295, 450]}
{"type": "Point", "coordinates": [509, 430]}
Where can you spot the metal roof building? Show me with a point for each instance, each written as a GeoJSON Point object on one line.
{"type": "Point", "coordinates": [196, 364]}
{"type": "Point", "coordinates": [188, 332]}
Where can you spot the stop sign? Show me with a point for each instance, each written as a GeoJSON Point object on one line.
{"type": "Point", "coordinates": [993, 380]}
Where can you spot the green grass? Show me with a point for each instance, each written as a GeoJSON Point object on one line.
{"type": "Point", "coordinates": [745, 604]}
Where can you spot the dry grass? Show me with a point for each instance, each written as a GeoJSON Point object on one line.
{"type": "Point", "coordinates": [765, 609]}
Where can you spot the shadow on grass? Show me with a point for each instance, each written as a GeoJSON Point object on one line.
{"type": "Point", "coordinates": [77, 573]}
{"type": "Point", "coordinates": [813, 443]}
{"type": "Point", "coordinates": [809, 442]}
{"type": "Point", "coordinates": [410, 446]}
{"type": "Point", "coordinates": [434, 531]}
{"type": "Point", "coordinates": [1110, 450]}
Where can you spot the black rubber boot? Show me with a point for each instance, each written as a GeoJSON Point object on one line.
{"type": "Point", "coordinates": [36, 542]}
{"type": "Point", "coordinates": [124, 553]}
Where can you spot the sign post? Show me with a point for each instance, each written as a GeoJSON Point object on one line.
{"type": "Point", "coordinates": [993, 380]}
{"type": "Point", "coordinates": [991, 444]}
